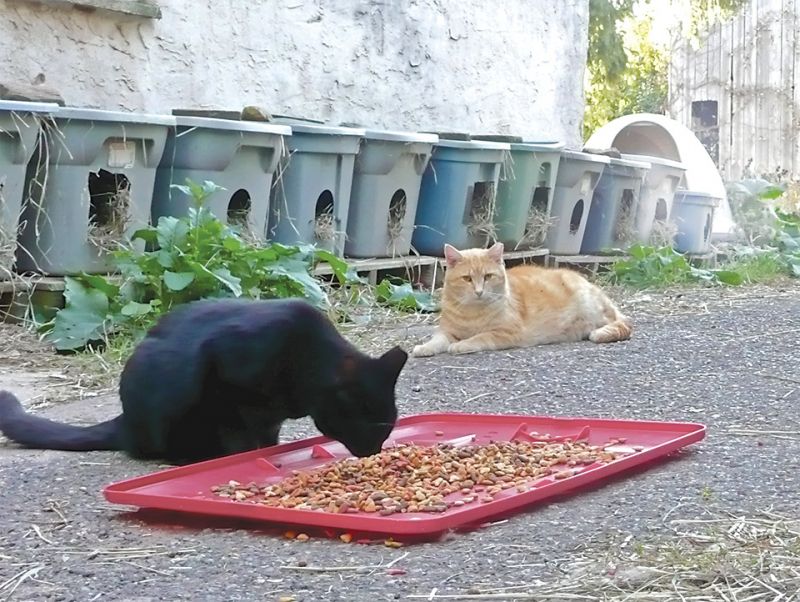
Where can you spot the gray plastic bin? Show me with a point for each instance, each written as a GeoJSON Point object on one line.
{"type": "Point", "coordinates": [525, 192]}
{"type": "Point", "coordinates": [693, 216]}
{"type": "Point", "coordinates": [611, 221]}
{"type": "Point", "coordinates": [656, 199]}
{"type": "Point", "coordinates": [240, 156]}
{"type": "Point", "coordinates": [386, 182]}
{"type": "Point", "coordinates": [19, 132]}
{"type": "Point", "coordinates": [311, 192]}
{"type": "Point", "coordinates": [91, 190]}
{"type": "Point", "coordinates": [458, 195]}
{"type": "Point", "coordinates": [578, 175]}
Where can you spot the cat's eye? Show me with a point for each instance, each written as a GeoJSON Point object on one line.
{"type": "Point", "coordinates": [488, 276]}
{"type": "Point", "coordinates": [466, 278]}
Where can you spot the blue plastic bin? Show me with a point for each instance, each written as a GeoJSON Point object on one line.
{"type": "Point", "coordinates": [457, 203]}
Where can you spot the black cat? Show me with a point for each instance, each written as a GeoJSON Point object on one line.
{"type": "Point", "coordinates": [218, 377]}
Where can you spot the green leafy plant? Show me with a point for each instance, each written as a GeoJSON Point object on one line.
{"type": "Point", "coordinates": [402, 296]}
{"type": "Point", "coordinates": [186, 259]}
{"type": "Point", "coordinates": [662, 266]}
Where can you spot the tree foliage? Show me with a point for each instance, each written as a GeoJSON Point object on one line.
{"type": "Point", "coordinates": [626, 73]}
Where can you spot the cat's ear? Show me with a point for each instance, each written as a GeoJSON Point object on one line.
{"type": "Point", "coordinates": [496, 252]}
{"type": "Point", "coordinates": [392, 362]}
{"type": "Point", "coordinates": [451, 255]}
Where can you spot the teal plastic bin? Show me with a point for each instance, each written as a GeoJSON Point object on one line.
{"type": "Point", "coordinates": [386, 183]}
{"type": "Point", "coordinates": [239, 156]}
{"type": "Point", "coordinates": [693, 216]}
{"type": "Point", "coordinates": [525, 192]}
{"type": "Point", "coordinates": [458, 196]}
{"type": "Point", "coordinates": [91, 189]}
{"type": "Point", "coordinates": [612, 216]}
{"type": "Point", "coordinates": [311, 192]}
{"type": "Point", "coordinates": [19, 133]}
{"type": "Point", "coordinates": [578, 175]}
{"type": "Point", "coordinates": [656, 199]}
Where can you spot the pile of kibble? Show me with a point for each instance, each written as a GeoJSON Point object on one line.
{"type": "Point", "coordinates": [414, 478]}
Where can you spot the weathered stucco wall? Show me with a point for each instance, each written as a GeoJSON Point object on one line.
{"type": "Point", "coordinates": [513, 67]}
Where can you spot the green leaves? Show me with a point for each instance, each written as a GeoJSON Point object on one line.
{"type": "Point", "coordinates": [404, 297]}
{"type": "Point", "coordinates": [651, 266]}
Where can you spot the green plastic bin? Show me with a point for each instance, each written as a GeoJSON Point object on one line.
{"type": "Point", "coordinates": [239, 156]}
{"type": "Point", "coordinates": [386, 183]}
{"type": "Point", "coordinates": [578, 175]}
{"type": "Point", "coordinates": [311, 193]}
{"type": "Point", "coordinates": [19, 133]}
{"type": "Point", "coordinates": [458, 195]}
{"type": "Point", "coordinates": [612, 216]}
{"type": "Point", "coordinates": [91, 189]}
{"type": "Point", "coordinates": [525, 192]}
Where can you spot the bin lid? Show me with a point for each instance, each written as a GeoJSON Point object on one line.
{"type": "Point", "coordinates": [538, 147]}
{"type": "Point", "coordinates": [235, 125]}
{"type": "Point", "coordinates": [396, 136]}
{"type": "Point", "coordinates": [20, 106]}
{"type": "Point", "coordinates": [696, 193]}
{"type": "Point", "coordinates": [580, 156]}
{"type": "Point", "coordinates": [473, 144]}
{"type": "Point", "coordinates": [653, 160]}
{"type": "Point", "coordinates": [302, 127]}
{"type": "Point", "coordinates": [636, 164]}
{"type": "Point", "coordinates": [116, 116]}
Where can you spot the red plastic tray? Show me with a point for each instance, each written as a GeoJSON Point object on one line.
{"type": "Point", "coordinates": [187, 489]}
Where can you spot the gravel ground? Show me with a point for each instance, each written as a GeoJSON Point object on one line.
{"type": "Point", "coordinates": [725, 358]}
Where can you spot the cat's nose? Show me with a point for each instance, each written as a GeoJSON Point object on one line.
{"type": "Point", "coordinates": [478, 292]}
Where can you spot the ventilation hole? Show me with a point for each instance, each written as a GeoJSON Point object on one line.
{"type": "Point", "coordinates": [324, 220]}
{"type": "Point", "coordinates": [575, 219]}
{"type": "Point", "coordinates": [661, 210]}
{"type": "Point", "coordinates": [544, 174]}
{"type": "Point", "coordinates": [481, 207]}
{"type": "Point", "coordinates": [239, 207]}
{"type": "Point", "coordinates": [109, 195]}
{"type": "Point", "coordinates": [324, 203]}
{"type": "Point", "coordinates": [707, 229]}
{"type": "Point", "coordinates": [624, 227]}
{"type": "Point", "coordinates": [397, 213]}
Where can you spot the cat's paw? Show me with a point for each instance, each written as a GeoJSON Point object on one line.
{"type": "Point", "coordinates": [422, 351]}
{"type": "Point", "coordinates": [462, 347]}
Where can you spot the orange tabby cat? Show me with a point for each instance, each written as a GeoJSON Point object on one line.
{"type": "Point", "coordinates": [486, 307]}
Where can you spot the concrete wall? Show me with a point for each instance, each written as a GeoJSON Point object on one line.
{"type": "Point", "coordinates": [514, 66]}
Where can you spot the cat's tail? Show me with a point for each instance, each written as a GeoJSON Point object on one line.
{"type": "Point", "coordinates": [618, 329]}
{"type": "Point", "coordinates": [40, 433]}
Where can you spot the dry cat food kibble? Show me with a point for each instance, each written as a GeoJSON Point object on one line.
{"type": "Point", "coordinates": [413, 478]}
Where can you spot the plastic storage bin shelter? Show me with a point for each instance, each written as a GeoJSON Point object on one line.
{"type": "Point", "coordinates": [614, 204]}
{"type": "Point", "coordinates": [578, 175]}
{"type": "Point", "coordinates": [311, 194]}
{"type": "Point", "coordinates": [693, 215]}
{"type": "Point", "coordinates": [19, 131]}
{"type": "Point", "coordinates": [458, 194]}
{"type": "Point", "coordinates": [525, 192]}
{"type": "Point", "coordinates": [239, 156]}
{"type": "Point", "coordinates": [383, 202]}
{"type": "Point", "coordinates": [658, 192]}
{"type": "Point", "coordinates": [91, 189]}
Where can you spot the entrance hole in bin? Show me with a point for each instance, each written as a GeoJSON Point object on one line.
{"type": "Point", "coordinates": [109, 208]}
{"type": "Point", "coordinates": [397, 214]}
{"type": "Point", "coordinates": [538, 216]}
{"type": "Point", "coordinates": [624, 229]}
{"type": "Point", "coordinates": [324, 219]}
{"type": "Point", "coordinates": [661, 210]}
{"type": "Point", "coordinates": [575, 218]}
{"type": "Point", "coordinates": [239, 208]}
{"type": "Point", "coordinates": [481, 208]}
{"type": "Point", "coordinates": [707, 228]}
